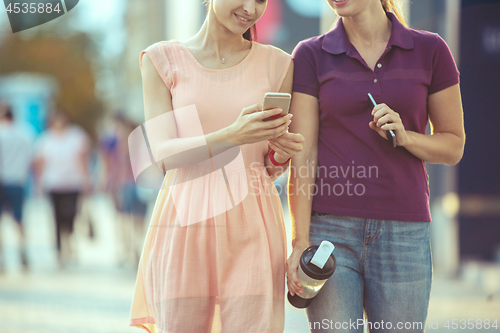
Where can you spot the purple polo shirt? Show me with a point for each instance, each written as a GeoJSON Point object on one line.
{"type": "Point", "coordinates": [359, 174]}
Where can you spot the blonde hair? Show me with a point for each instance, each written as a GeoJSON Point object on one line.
{"type": "Point", "coordinates": [390, 6]}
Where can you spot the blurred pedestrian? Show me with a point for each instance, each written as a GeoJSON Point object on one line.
{"type": "Point", "coordinates": [16, 153]}
{"type": "Point", "coordinates": [62, 164]}
{"type": "Point", "coordinates": [120, 184]}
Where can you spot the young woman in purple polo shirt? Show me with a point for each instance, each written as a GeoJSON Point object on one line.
{"type": "Point", "coordinates": [350, 185]}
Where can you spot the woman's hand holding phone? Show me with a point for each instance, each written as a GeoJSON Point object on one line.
{"type": "Point", "coordinates": [274, 100]}
{"type": "Point", "coordinates": [288, 144]}
{"type": "Point", "coordinates": [250, 126]}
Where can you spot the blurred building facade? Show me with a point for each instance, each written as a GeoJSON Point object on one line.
{"type": "Point", "coordinates": [465, 199]}
{"type": "Point", "coordinates": [145, 22]}
{"type": "Point", "coordinates": [479, 179]}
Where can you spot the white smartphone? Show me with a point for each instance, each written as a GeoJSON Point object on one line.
{"type": "Point", "coordinates": [274, 100]}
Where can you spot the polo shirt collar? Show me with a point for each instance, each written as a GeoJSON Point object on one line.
{"type": "Point", "coordinates": [336, 42]}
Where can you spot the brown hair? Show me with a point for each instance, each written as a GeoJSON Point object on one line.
{"type": "Point", "coordinates": [390, 6]}
{"type": "Point", "coordinates": [251, 34]}
{"type": "Point", "coordinates": [8, 113]}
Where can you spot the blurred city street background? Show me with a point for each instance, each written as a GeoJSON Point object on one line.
{"type": "Point", "coordinates": [85, 65]}
{"type": "Point", "coordinates": [94, 295]}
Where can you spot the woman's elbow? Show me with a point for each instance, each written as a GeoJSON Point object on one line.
{"type": "Point", "coordinates": [453, 160]}
{"type": "Point", "coordinates": [457, 153]}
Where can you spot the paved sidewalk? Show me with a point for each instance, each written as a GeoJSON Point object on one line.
{"type": "Point", "coordinates": [76, 301]}
{"type": "Point", "coordinates": [95, 296]}
{"type": "Point", "coordinates": [98, 301]}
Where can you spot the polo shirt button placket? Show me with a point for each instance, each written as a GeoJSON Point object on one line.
{"type": "Point", "coordinates": [379, 65]}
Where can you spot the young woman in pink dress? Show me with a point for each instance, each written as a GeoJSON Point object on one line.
{"type": "Point", "coordinates": [214, 256]}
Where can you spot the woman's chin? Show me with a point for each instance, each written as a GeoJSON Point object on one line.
{"type": "Point", "coordinates": [239, 31]}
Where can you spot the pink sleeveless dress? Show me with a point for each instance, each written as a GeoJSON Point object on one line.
{"type": "Point", "coordinates": [225, 273]}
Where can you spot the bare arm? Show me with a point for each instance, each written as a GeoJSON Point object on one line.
{"type": "Point", "coordinates": [158, 107]}
{"type": "Point", "coordinates": [38, 165]}
{"type": "Point", "coordinates": [446, 143]}
{"type": "Point", "coordinates": [248, 128]}
{"type": "Point", "coordinates": [302, 180]}
{"type": "Point", "coordinates": [83, 163]}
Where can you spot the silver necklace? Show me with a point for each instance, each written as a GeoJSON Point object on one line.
{"type": "Point", "coordinates": [223, 59]}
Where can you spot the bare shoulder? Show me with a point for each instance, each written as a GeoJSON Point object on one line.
{"type": "Point", "coordinates": [276, 51]}
{"type": "Point", "coordinates": [148, 68]}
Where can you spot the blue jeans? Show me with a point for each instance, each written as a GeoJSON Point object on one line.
{"type": "Point", "coordinates": [383, 268]}
{"type": "Point", "coordinates": [13, 196]}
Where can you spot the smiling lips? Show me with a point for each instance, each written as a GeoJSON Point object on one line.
{"type": "Point", "coordinates": [340, 2]}
{"type": "Point", "coordinates": [242, 19]}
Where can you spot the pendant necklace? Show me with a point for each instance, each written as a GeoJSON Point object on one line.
{"type": "Point", "coordinates": [223, 59]}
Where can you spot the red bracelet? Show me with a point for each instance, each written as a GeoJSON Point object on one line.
{"type": "Point", "coordinates": [273, 161]}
